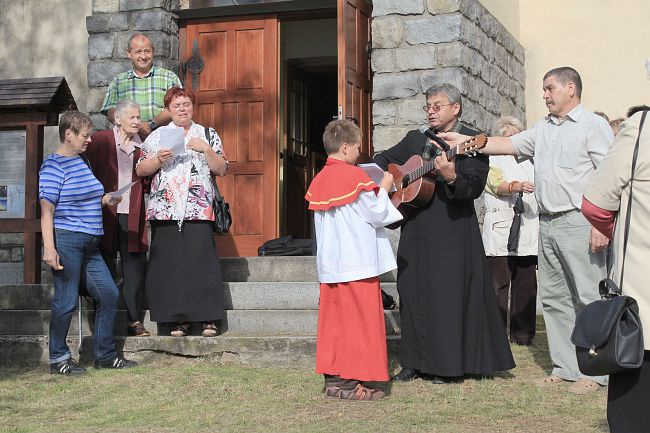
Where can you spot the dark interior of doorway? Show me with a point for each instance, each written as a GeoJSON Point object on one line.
{"type": "Point", "coordinates": [312, 102]}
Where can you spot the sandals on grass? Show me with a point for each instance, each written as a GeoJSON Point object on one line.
{"type": "Point", "coordinates": [360, 392]}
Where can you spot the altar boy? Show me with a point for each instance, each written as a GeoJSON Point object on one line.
{"type": "Point", "coordinates": [350, 212]}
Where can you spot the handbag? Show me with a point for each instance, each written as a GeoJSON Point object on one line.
{"type": "Point", "coordinates": [608, 334]}
{"type": "Point", "coordinates": [220, 207]}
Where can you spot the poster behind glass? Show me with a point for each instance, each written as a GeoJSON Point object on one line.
{"type": "Point", "coordinates": [12, 174]}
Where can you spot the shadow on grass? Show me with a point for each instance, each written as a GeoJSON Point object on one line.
{"type": "Point", "coordinates": [539, 349]}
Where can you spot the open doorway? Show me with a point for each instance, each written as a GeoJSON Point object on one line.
{"type": "Point", "coordinates": [310, 101]}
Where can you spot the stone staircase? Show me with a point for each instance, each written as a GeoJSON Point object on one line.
{"type": "Point", "coordinates": [271, 315]}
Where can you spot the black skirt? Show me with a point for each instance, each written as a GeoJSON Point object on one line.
{"type": "Point", "coordinates": [184, 275]}
{"type": "Point", "coordinates": [627, 399]}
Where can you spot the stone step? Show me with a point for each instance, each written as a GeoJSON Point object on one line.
{"type": "Point", "coordinates": [238, 269]}
{"type": "Point", "coordinates": [258, 351]}
{"type": "Point", "coordinates": [238, 296]}
{"type": "Point", "coordinates": [237, 322]}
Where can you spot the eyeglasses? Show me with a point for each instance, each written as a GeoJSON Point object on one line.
{"type": "Point", "coordinates": [435, 108]}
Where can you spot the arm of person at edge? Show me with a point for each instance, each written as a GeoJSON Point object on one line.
{"type": "Point", "coordinates": [216, 163]}
{"type": "Point", "coordinates": [602, 219]}
{"type": "Point", "coordinates": [497, 186]}
{"type": "Point", "coordinates": [50, 255]}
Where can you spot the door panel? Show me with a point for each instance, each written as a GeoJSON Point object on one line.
{"type": "Point", "coordinates": [237, 95]}
{"type": "Point", "coordinates": [353, 21]}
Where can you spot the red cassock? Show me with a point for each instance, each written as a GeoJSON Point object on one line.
{"type": "Point", "coordinates": [351, 336]}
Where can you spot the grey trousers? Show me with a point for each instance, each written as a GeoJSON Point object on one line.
{"type": "Point", "coordinates": [568, 280]}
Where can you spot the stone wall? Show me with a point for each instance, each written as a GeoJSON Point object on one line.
{"type": "Point", "coordinates": [417, 43]}
{"type": "Point", "coordinates": [109, 28]}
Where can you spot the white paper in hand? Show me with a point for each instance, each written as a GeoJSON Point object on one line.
{"type": "Point", "coordinates": [122, 190]}
{"type": "Point", "coordinates": [172, 139]}
{"type": "Point", "coordinates": [375, 172]}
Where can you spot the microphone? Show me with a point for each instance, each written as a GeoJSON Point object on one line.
{"type": "Point", "coordinates": [432, 135]}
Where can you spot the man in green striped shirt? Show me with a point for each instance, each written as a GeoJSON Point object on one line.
{"type": "Point", "coordinates": [145, 84]}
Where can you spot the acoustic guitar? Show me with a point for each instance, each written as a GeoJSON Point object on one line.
{"type": "Point", "coordinates": [413, 188]}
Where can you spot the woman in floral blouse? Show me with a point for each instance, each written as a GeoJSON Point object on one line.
{"type": "Point", "coordinates": [184, 276]}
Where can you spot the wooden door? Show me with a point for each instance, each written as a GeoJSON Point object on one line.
{"type": "Point", "coordinates": [237, 95]}
{"type": "Point", "coordinates": [353, 21]}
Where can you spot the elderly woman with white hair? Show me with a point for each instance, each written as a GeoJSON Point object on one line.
{"type": "Point", "coordinates": [113, 155]}
{"type": "Point", "coordinates": [511, 252]}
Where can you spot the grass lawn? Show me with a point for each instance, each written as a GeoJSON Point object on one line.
{"type": "Point", "coordinates": [197, 395]}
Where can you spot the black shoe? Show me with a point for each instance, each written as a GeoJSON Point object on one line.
{"type": "Point", "coordinates": [68, 366]}
{"type": "Point", "coordinates": [406, 375]}
{"type": "Point", "coordinates": [444, 380]}
{"type": "Point", "coordinates": [117, 362]}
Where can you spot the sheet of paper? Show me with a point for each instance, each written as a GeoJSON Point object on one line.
{"type": "Point", "coordinates": [375, 172]}
{"type": "Point", "coordinates": [122, 190]}
{"type": "Point", "coordinates": [172, 139]}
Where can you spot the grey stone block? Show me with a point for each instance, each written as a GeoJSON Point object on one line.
{"type": "Point", "coordinates": [133, 5]}
{"type": "Point", "coordinates": [403, 7]}
{"type": "Point", "coordinates": [455, 76]}
{"type": "Point", "coordinates": [100, 122]}
{"type": "Point", "coordinates": [106, 6]}
{"type": "Point", "coordinates": [11, 239]}
{"type": "Point", "coordinates": [155, 19]}
{"type": "Point", "coordinates": [103, 23]}
{"type": "Point", "coordinates": [100, 46]}
{"type": "Point", "coordinates": [471, 35]}
{"type": "Point", "coordinates": [383, 112]}
{"type": "Point", "coordinates": [384, 137]}
{"type": "Point", "coordinates": [421, 57]}
{"type": "Point", "coordinates": [443, 6]}
{"type": "Point", "coordinates": [95, 99]}
{"type": "Point", "coordinates": [269, 269]}
{"type": "Point", "coordinates": [392, 86]}
{"type": "Point", "coordinates": [409, 112]}
{"type": "Point", "coordinates": [437, 29]}
{"type": "Point", "coordinates": [387, 32]}
{"type": "Point", "coordinates": [101, 72]}
{"type": "Point", "coordinates": [451, 54]}
{"type": "Point", "coordinates": [383, 61]}
{"type": "Point", "coordinates": [5, 255]}
{"type": "Point", "coordinates": [17, 254]}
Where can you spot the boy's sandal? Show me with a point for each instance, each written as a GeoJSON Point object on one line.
{"type": "Point", "coordinates": [209, 330]}
{"type": "Point", "coordinates": [361, 393]}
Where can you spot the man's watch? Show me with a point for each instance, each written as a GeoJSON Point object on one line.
{"type": "Point", "coordinates": [152, 124]}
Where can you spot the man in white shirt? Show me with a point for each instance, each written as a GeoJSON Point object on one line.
{"type": "Point", "coordinates": [567, 145]}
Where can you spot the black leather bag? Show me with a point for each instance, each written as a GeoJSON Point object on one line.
{"type": "Point", "coordinates": [608, 335]}
{"type": "Point", "coordinates": [222, 217]}
{"type": "Point", "coordinates": [220, 207]}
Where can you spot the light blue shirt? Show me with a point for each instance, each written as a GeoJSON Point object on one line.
{"type": "Point", "coordinates": [566, 152]}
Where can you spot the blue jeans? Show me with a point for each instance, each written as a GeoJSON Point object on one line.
{"type": "Point", "coordinates": [82, 262]}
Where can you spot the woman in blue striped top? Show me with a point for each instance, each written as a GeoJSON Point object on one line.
{"type": "Point", "coordinates": [71, 221]}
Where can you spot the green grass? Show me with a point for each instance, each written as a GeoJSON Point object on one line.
{"type": "Point", "coordinates": [194, 395]}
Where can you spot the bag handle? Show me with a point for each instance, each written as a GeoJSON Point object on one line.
{"type": "Point", "coordinates": [217, 193]}
{"type": "Point", "coordinates": [628, 214]}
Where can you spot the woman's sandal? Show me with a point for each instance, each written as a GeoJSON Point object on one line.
{"type": "Point", "coordinates": [181, 329]}
{"type": "Point", "coordinates": [360, 392]}
{"type": "Point", "coordinates": [210, 330]}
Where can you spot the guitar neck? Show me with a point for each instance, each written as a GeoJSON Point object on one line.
{"type": "Point", "coordinates": [428, 166]}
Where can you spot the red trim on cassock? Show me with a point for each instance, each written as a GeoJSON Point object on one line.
{"type": "Point", "coordinates": [338, 184]}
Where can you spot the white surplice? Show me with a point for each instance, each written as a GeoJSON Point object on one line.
{"type": "Point", "coordinates": [352, 241]}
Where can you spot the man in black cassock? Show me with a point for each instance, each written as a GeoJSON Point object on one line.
{"type": "Point", "coordinates": [450, 320]}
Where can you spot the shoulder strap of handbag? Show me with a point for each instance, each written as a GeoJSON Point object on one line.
{"type": "Point", "coordinates": [217, 193]}
{"type": "Point", "coordinates": [626, 230]}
